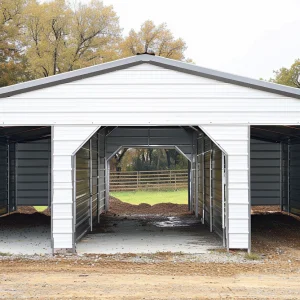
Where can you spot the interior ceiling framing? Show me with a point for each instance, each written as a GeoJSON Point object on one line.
{"type": "Point", "coordinates": [24, 133]}
{"type": "Point", "coordinates": [277, 134]}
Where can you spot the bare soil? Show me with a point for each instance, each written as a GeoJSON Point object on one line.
{"type": "Point", "coordinates": [167, 209]}
{"type": "Point", "coordinates": [273, 274]}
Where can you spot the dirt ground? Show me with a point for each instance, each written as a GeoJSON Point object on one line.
{"type": "Point", "coordinates": [272, 272]}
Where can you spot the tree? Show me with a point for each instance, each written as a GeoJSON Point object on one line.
{"type": "Point", "coordinates": [60, 39]}
{"type": "Point", "coordinates": [156, 38]}
{"type": "Point", "coordinates": [288, 76]}
{"type": "Point", "coordinates": [13, 63]}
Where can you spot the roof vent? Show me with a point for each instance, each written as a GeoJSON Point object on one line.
{"type": "Point", "coordinates": [149, 52]}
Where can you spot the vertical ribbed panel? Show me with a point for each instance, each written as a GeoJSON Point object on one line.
{"type": "Point", "coordinates": [200, 161]}
{"type": "Point", "coordinates": [95, 157]}
{"type": "Point", "coordinates": [217, 182]}
{"type": "Point", "coordinates": [66, 140]}
{"type": "Point", "coordinates": [285, 177]}
{"type": "Point", "coordinates": [294, 171]}
{"type": "Point", "coordinates": [82, 190]}
{"type": "Point", "coordinates": [265, 172]}
{"type": "Point", "coordinates": [234, 140]}
{"type": "Point", "coordinates": [12, 177]}
{"type": "Point", "coordinates": [33, 165]}
{"type": "Point", "coordinates": [3, 179]}
{"type": "Point", "coordinates": [102, 180]}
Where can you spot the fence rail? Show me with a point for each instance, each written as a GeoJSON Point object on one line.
{"type": "Point", "coordinates": [148, 180]}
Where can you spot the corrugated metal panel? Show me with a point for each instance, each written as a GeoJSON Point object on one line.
{"type": "Point", "coordinates": [201, 190]}
{"type": "Point", "coordinates": [65, 142]}
{"type": "Point", "coordinates": [294, 171]}
{"type": "Point", "coordinates": [148, 96]}
{"type": "Point", "coordinates": [12, 177]}
{"type": "Point", "coordinates": [33, 165]}
{"type": "Point", "coordinates": [94, 187]}
{"type": "Point", "coordinates": [234, 140]}
{"type": "Point", "coordinates": [3, 179]}
{"type": "Point", "coordinates": [285, 177]}
{"type": "Point", "coordinates": [102, 180]}
{"type": "Point", "coordinates": [265, 173]}
{"type": "Point", "coordinates": [217, 189]}
{"type": "Point", "coordinates": [149, 136]}
{"type": "Point", "coordinates": [207, 188]}
{"type": "Point", "coordinates": [83, 190]}
{"type": "Point", "coordinates": [207, 182]}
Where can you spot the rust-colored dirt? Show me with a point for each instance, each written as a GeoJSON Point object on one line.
{"type": "Point", "coordinates": [167, 209]}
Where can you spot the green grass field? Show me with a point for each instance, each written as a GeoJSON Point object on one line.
{"type": "Point", "coordinates": [153, 197]}
{"type": "Point", "coordinates": [40, 208]}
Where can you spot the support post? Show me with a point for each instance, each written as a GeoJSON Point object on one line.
{"type": "Point", "coordinates": [234, 143]}
{"type": "Point", "coordinates": [106, 185]}
{"type": "Point", "coordinates": [99, 180]}
{"type": "Point", "coordinates": [91, 184]}
{"type": "Point", "coordinates": [74, 180]}
{"type": "Point", "coordinates": [288, 174]}
{"type": "Point", "coordinates": [210, 193]}
{"type": "Point", "coordinates": [281, 177]}
{"type": "Point", "coordinates": [8, 178]}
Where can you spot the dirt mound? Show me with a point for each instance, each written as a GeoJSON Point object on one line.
{"type": "Point", "coordinates": [26, 210]}
{"type": "Point", "coordinates": [264, 209]}
{"type": "Point", "coordinates": [122, 208]}
{"type": "Point", "coordinates": [19, 219]}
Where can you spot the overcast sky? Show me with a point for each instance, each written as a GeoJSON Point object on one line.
{"type": "Point", "coordinates": [246, 37]}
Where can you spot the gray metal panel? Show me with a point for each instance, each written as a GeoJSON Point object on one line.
{"type": "Point", "coordinates": [94, 187]}
{"type": "Point", "coordinates": [3, 179]}
{"type": "Point", "coordinates": [82, 191]}
{"type": "Point", "coordinates": [12, 177]}
{"type": "Point", "coordinates": [33, 169]}
{"type": "Point", "coordinates": [207, 188]}
{"type": "Point", "coordinates": [200, 161]}
{"type": "Point", "coordinates": [294, 176]}
{"type": "Point", "coordinates": [285, 177]}
{"type": "Point", "coordinates": [102, 181]}
{"type": "Point", "coordinates": [155, 60]}
{"type": "Point", "coordinates": [265, 172]}
{"type": "Point", "coordinates": [149, 136]}
{"type": "Point", "coordinates": [217, 189]}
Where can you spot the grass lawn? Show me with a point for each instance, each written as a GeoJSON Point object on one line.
{"type": "Point", "coordinates": [152, 197]}
{"type": "Point", "coordinates": [40, 208]}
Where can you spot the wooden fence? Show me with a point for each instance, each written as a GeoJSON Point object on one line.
{"type": "Point", "coordinates": [148, 180]}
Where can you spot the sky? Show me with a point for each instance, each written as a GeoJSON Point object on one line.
{"type": "Point", "coordinates": [250, 38]}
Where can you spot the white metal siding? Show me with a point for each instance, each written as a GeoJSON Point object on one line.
{"type": "Point", "coordinates": [234, 141]}
{"type": "Point", "coordinates": [147, 94]}
{"type": "Point", "coordinates": [66, 140]}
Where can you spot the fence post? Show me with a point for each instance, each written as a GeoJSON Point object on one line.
{"type": "Point", "coordinates": [137, 179]}
{"type": "Point", "coordinates": [175, 182]}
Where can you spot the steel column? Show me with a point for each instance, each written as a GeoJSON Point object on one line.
{"type": "Point", "coordinates": [8, 178]}
{"type": "Point", "coordinates": [210, 193]}
{"type": "Point", "coordinates": [91, 184]}
{"type": "Point", "coordinates": [288, 173]}
{"type": "Point", "coordinates": [74, 201]}
{"type": "Point", "coordinates": [106, 185]}
{"type": "Point", "coordinates": [98, 179]}
{"type": "Point", "coordinates": [249, 189]}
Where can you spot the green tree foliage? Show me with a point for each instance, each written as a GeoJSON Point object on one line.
{"type": "Point", "coordinates": [149, 159]}
{"type": "Point", "coordinates": [43, 38]}
{"type": "Point", "coordinates": [61, 39]}
{"type": "Point", "coordinates": [157, 38]}
{"type": "Point", "coordinates": [13, 63]}
{"type": "Point", "coordinates": [288, 76]}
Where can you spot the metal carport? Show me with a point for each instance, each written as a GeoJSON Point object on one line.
{"type": "Point", "coordinates": [147, 90]}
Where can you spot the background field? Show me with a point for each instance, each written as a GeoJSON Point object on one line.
{"type": "Point", "coordinates": [152, 197]}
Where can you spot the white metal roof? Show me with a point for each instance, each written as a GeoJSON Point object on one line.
{"type": "Point", "coordinates": [150, 59]}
